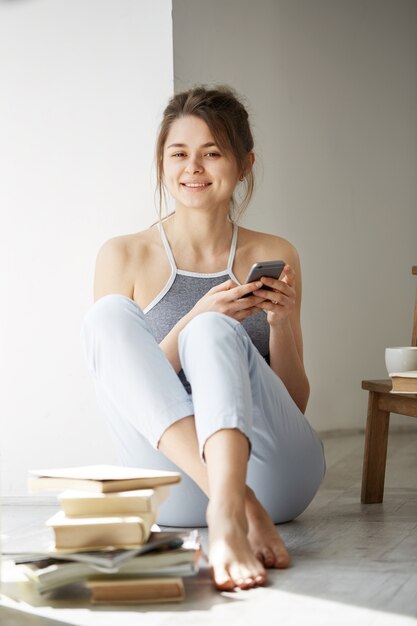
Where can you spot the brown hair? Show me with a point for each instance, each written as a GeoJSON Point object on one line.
{"type": "Point", "coordinates": [227, 119]}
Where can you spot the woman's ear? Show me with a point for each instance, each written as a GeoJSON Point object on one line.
{"type": "Point", "coordinates": [250, 160]}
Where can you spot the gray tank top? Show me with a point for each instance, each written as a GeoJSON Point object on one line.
{"type": "Point", "coordinates": [184, 289]}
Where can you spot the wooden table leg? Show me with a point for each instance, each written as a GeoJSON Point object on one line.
{"type": "Point", "coordinates": [375, 454]}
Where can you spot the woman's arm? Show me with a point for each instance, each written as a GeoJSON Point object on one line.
{"type": "Point", "coordinates": [112, 273]}
{"type": "Point", "coordinates": [286, 362]}
{"type": "Point", "coordinates": [286, 343]}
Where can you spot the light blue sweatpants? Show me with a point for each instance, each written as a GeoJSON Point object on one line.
{"type": "Point", "coordinates": [232, 387]}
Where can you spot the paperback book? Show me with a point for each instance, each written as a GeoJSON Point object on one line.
{"type": "Point", "coordinates": [50, 574]}
{"type": "Point", "coordinates": [99, 478]}
{"type": "Point", "coordinates": [107, 560]}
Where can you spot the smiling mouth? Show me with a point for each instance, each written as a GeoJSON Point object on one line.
{"type": "Point", "coordinates": [195, 185]}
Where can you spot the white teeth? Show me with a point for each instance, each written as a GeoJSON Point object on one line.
{"type": "Point", "coordinates": [196, 184]}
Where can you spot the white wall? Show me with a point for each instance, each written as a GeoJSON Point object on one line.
{"type": "Point", "coordinates": [332, 88]}
{"type": "Point", "coordinates": [83, 86]}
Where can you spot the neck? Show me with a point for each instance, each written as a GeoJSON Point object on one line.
{"type": "Point", "coordinates": [198, 233]}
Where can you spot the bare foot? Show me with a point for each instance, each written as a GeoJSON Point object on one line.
{"type": "Point", "coordinates": [232, 561]}
{"type": "Point", "coordinates": [263, 537]}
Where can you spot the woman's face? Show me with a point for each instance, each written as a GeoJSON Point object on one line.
{"type": "Point", "coordinates": [196, 172]}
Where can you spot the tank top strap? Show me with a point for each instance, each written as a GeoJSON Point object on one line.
{"type": "Point", "coordinates": [167, 247]}
{"type": "Point", "coordinates": [232, 250]}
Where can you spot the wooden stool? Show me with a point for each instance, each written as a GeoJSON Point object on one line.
{"type": "Point", "coordinates": [380, 404]}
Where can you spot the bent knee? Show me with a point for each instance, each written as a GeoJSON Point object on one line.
{"type": "Point", "coordinates": [107, 312]}
{"type": "Point", "coordinates": [209, 322]}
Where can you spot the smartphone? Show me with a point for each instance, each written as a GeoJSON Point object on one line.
{"type": "Point", "coordinates": [273, 269]}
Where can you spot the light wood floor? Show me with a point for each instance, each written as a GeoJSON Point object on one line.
{"type": "Point", "coordinates": [351, 563]}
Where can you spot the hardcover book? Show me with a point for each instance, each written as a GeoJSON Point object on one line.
{"type": "Point", "coordinates": [136, 591]}
{"type": "Point", "coordinates": [404, 382]}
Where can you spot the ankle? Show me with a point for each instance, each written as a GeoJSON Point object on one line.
{"type": "Point", "coordinates": [229, 508]}
{"type": "Point", "coordinates": [253, 508]}
{"type": "Point", "coordinates": [250, 495]}
{"type": "Point", "coordinates": [252, 503]}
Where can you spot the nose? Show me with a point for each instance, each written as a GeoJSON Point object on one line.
{"type": "Point", "coordinates": [194, 165]}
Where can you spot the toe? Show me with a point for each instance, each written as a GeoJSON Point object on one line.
{"type": "Point", "coordinates": [268, 557]}
{"type": "Point", "coordinates": [260, 557]}
{"type": "Point", "coordinates": [282, 558]}
{"type": "Point", "coordinates": [221, 578]}
{"type": "Point", "coordinates": [242, 576]}
{"type": "Point", "coordinates": [245, 583]}
{"type": "Point", "coordinates": [260, 579]}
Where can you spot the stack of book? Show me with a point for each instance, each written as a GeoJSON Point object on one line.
{"type": "Point", "coordinates": [103, 536]}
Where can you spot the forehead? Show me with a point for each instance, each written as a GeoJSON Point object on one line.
{"type": "Point", "coordinates": [189, 130]}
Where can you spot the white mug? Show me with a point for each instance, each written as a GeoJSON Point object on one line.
{"type": "Point", "coordinates": [400, 359]}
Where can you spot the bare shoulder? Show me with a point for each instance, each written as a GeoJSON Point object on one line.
{"type": "Point", "coordinates": [116, 260]}
{"type": "Point", "coordinates": [267, 247]}
{"type": "Point", "coordinates": [125, 248]}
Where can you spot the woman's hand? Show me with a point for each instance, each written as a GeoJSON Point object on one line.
{"type": "Point", "coordinates": [278, 301]}
{"type": "Point", "coordinates": [227, 298]}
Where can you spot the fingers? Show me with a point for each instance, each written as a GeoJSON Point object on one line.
{"type": "Point", "coordinates": [237, 301]}
{"type": "Point", "coordinates": [277, 285]}
{"type": "Point", "coordinates": [275, 297]}
{"type": "Point", "coordinates": [237, 291]}
{"type": "Point", "coordinates": [286, 280]}
{"type": "Point", "coordinates": [278, 291]}
{"type": "Point", "coordinates": [245, 313]}
{"type": "Point", "coordinates": [289, 275]}
{"type": "Point", "coordinates": [243, 291]}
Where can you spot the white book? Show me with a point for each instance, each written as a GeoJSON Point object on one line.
{"type": "Point", "coordinates": [95, 533]}
{"type": "Point", "coordinates": [134, 502]}
{"type": "Point", "coordinates": [99, 478]}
